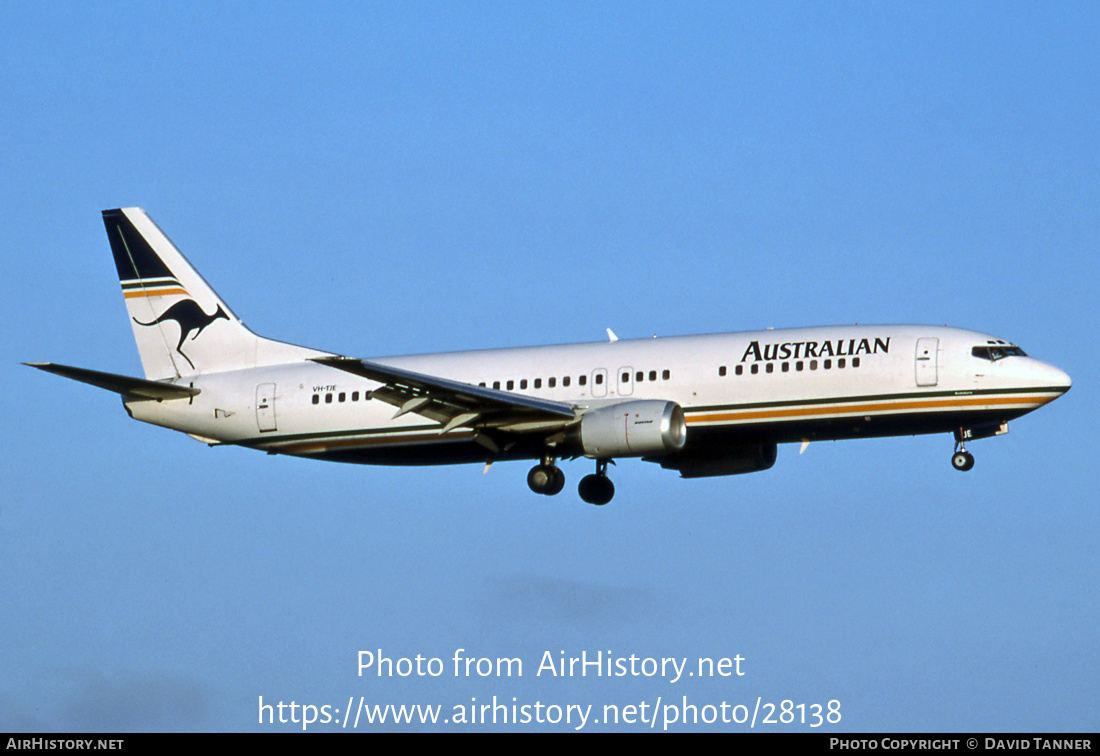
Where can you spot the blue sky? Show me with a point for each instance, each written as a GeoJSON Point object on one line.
{"type": "Point", "coordinates": [395, 178]}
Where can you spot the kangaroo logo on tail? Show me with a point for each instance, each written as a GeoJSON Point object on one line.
{"type": "Point", "coordinates": [189, 317]}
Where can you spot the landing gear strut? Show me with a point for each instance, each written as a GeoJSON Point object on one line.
{"type": "Point", "coordinates": [597, 489]}
{"type": "Point", "coordinates": [962, 459]}
{"type": "Point", "coordinates": [546, 478]}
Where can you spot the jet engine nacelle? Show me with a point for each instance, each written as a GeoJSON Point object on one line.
{"type": "Point", "coordinates": [633, 429]}
{"type": "Point", "coordinates": [731, 460]}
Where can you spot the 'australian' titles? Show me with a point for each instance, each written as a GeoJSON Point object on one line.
{"type": "Point", "coordinates": [793, 350]}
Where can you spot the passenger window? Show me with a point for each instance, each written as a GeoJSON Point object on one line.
{"type": "Point", "coordinates": [666, 374]}
{"type": "Point", "coordinates": [739, 370]}
{"type": "Point", "coordinates": [551, 382]}
{"type": "Point", "coordinates": [599, 379]}
{"type": "Point", "coordinates": [786, 367]}
{"type": "Point", "coordinates": [721, 370]}
{"type": "Point", "coordinates": [511, 385]}
{"type": "Point", "coordinates": [652, 375]}
{"type": "Point", "coordinates": [316, 398]}
{"type": "Point", "coordinates": [328, 398]}
{"type": "Point", "coordinates": [828, 364]}
{"type": "Point", "coordinates": [855, 362]}
{"type": "Point", "coordinates": [639, 376]}
{"type": "Point", "coordinates": [813, 364]}
{"type": "Point", "coordinates": [496, 385]}
{"type": "Point", "coordinates": [798, 365]}
{"type": "Point", "coordinates": [538, 383]}
{"type": "Point", "coordinates": [626, 378]}
{"type": "Point", "coordinates": [769, 368]}
{"type": "Point", "coordinates": [343, 396]}
{"type": "Point", "coordinates": [565, 380]}
{"type": "Point", "coordinates": [523, 384]}
{"type": "Point", "coordinates": [582, 380]}
{"type": "Point", "coordinates": [840, 363]}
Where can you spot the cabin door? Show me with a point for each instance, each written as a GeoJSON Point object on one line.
{"type": "Point", "coordinates": [927, 359]}
{"type": "Point", "coordinates": [265, 407]}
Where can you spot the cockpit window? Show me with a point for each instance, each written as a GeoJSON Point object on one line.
{"type": "Point", "coordinates": [997, 352]}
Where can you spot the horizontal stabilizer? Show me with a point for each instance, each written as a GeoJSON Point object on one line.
{"type": "Point", "coordinates": [130, 388]}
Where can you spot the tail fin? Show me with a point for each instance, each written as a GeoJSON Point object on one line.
{"type": "Point", "coordinates": [182, 327]}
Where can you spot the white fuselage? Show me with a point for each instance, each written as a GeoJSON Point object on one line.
{"type": "Point", "coordinates": [775, 385]}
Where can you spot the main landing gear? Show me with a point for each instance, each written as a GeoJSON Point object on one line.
{"type": "Point", "coordinates": [597, 489]}
{"type": "Point", "coordinates": [546, 478]}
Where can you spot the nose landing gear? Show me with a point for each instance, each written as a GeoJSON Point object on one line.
{"type": "Point", "coordinates": [962, 459]}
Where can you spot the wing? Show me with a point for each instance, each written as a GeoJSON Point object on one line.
{"type": "Point", "coordinates": [456, 404]}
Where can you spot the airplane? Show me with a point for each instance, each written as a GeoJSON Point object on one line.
{"type": "Point", "coordinates": [708, 405]}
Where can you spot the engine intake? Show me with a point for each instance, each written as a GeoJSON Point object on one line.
{"type": "Point", "coordinates": [633, 429]}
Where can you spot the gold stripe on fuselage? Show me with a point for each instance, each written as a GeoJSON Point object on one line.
{"type": "Point", "coordinates": [871, 408]}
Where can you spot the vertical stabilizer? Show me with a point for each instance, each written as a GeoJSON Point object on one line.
{"type": "Point", "coordinates": [182, 327]}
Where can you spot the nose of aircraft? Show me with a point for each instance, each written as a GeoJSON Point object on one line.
{"type": "Point", "coordinates": [1052, 376]}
